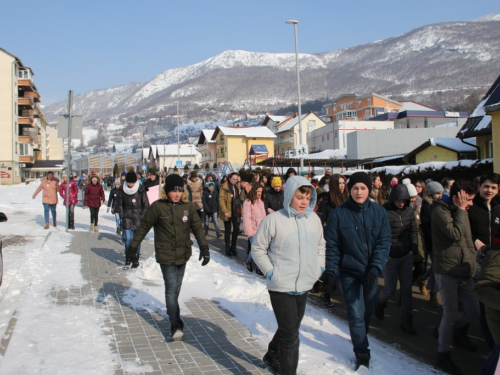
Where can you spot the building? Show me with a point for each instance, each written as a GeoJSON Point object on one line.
{"type": "Point", "coordinates": [234, 143]}
{"type": "Point", "coordinates": [207, 148]}
{"type": "Point", "coordinates": [408, 119]}
{"type": "Point", "coordinates": [492, 108]}
{"type": "Point", "coordinates": [441, 149]}
{"type": "Point", "coordinates": [22, 122]}
{"type": "Point", "coordinates": [165, 157]}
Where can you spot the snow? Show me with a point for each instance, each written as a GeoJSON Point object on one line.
{"type": "Point", "coordinates": [249, 132]}
{"type": "Point", "coordinates": [51, 338]}
{"type": "Point", "coordinates": [326, 154]}
{"type": "Point", "coordinates": [455, 144]}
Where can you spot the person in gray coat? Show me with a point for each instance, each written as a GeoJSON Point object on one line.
{"type": "Point", "coordinates": [289, 249]}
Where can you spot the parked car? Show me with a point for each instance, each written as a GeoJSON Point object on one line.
{"type": "Point", "coordinates": [3, 218]}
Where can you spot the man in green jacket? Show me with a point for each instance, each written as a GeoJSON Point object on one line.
{"type": "Point", "coordinates": [172, 219]}
{"type": "Point", "coordinates": [454, 265]}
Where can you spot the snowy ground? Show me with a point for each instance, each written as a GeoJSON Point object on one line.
{"type": "Point", "coordinates": [50, 338]}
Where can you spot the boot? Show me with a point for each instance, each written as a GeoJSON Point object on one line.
{"type": "Point", "coordinates": [72, 226]}
{"type": "Point", "coordinates": [47, 226]}
{"type": "Point", "coordinates": [206, 232]}
{"type": "Point", "coordinates": [326, 297]}
{"type": "Point", "coordinates": [433, 301]}
{"type": "Point", "coordinates": [217, 235]}
{"type": "Point", "coordinates": [228, 251]}
{"type": "Point", "coordinates": [55, 223]}
{"type": "Point", "coordinates": [96, 229]}
{"type": "Point", "coordinates": [92, 227]}
{"type": "Point", "coordinates": [258, 271]}
{"type": "Point", "coordinates": [271, 360]}
{"type": "Point", "coordinates": [362, 359]}
{"type": "Point", "coordinates": [445, 363]}
{"type": "Point", "coordinates": [407, 325]}
{"type": "Point", "coordinates": [422, 286]}
{"type": "Point", "coordinates": [233, 251]}
{"type": "Point", "coordinates": [379, 310]}
{"type": "Point", "coordinates": [118, 230]}
{"type": "Point", "coordinates": [135, 263]}
{"type": "Point", "coordinates": [249, 266]}
{"type": "Point", "coordinates": [127, 261]}
{"type": "Point", "coordinates": [461, 339]}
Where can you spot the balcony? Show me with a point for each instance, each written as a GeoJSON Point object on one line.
{"type": "Point", "coordinates": [26, 101]}
{"type": "Point", "coordinates": [221, 155]}
{"type": "Point", "coordinates": [26, 139]}
{"type": "Point", "coordinates": [26, 159]}
{"type": "Point", "coordinates": [26, 121]}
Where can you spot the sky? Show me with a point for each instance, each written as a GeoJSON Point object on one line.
{"type": "Point", "coordinates": [89, 45]}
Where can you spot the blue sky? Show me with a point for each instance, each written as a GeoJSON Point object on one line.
{"type": "Point", "coordinates": [88, 45]}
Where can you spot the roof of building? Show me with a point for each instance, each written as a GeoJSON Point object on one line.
{"type": "Point", "coordinates": [391, 116]}
{"type": "Point", "coordinates": [206, 135]}
{"type": "Point", "coordinates": [276, 119]}
{"type": "Point", "coordinates": [245, 131]}
{"type": "Point", "coordinates": [452, 144]}
{"type": "Point", "coordinates": [172, 150]}
{"type": "Point", "coordinates": [258, 149]}
{"type": "Point", "coordinates": [411, 104]}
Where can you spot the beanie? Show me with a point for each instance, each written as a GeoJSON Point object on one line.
{"type": "Point", "coordinates": [193, 174]}
{"type": "Point", "coordinates": [131, 177]}
{"type": "Point", "coordinates": [117, 182]}
{"type": "Point", "coordinates": [123, 174]}
{"type": "Point", "coordinates": [210, 183]}
{"type": "Point", "coordinates": [276, 181]}
{"type": "Point", "coordinates": [434, 187]}
{"type": "Point", "coordinates": [412, 190]}
{"type": "Point", "coordinates": [360, 177]}
{"type": "Point", "coordinates": [407, 181]}
{"type": "Point", "coordinates": [172, 182]}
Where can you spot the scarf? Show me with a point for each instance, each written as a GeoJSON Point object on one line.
{"type": "Point", "coordinates": [131, 190]}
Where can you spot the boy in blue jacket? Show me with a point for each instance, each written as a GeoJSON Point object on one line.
{"type": "Point", "coordinates": [358, 239]}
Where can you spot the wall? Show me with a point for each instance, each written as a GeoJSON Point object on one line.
{"type": "Point", "coordinates": [8, 95]}
{"type": "Point", "coordinates": [236, 150]}
{"type": "Point", "coordinates": [483, 142]}
{"type": "Point", "coordinates": [435, 153]}
{"type": "Point", "coordinates": [495, 117]}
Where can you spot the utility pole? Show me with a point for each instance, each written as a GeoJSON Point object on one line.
{"type": "Point", "coordinates": [68, 163]}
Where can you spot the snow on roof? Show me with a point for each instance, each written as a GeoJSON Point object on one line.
{"type": "Point", "coordinates": [171, 150]}
{"type": "Point", "coordinates": [326, 154]}
{"type": "Point", "coordinates": [208, 133]}
{"type": "Point", "coordinates": [290, 124]}
{"type": "Point", "coordinates": [277, 118]}
{"type": "Point", "coordinates": [454, 144]}
{"type": "Point", "coordinates": [380, 160]}
{"type": "Point", "coordinates": [248, 132]}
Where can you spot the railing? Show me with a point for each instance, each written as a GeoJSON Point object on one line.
{"type": "Point", "coordinates": [221, 155]}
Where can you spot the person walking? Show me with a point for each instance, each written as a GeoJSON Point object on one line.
{"type": "Point", "coordinates": [211, 207]}
{"type": "Point", "coordinates": [50, 187]}
{"type": "Point", "coordinates": [114, 194]}
{"type": "Point", "coordinates": [275, 196]}
{"type": "Point", "coordinates": [82, 185]}
{"type": "Point", "coordinates": [172, 219]}
{"type": "Point", "coordinates": [253, 214]}
{"type": "Point", "coordinates": [230, 208]}
{"type": "Point", "coordinates": [358, 239]}
{"type": "Point", "coordinates": [289, 249]}
{"type": "Point", "coordinates": [195, 190]}
{"type": "Point", "coordinates": [73, 198]}
{"type": "Point", "coordinates": [131, 205]}
{"type": "Point", "coordinates": [94, 198]}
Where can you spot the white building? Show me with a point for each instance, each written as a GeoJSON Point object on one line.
{"type": "Point", "coordinates": [166, 156]}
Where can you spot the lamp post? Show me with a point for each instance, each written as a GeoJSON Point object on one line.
{"type": "Point", "coordinates": [294, 23]}
{"type": "Point", "coordinates": [178, 137]}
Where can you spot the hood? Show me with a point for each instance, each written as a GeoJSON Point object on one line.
{"type": "Point", "coordinates": [89, 179]}
{"type": "Point", "coordinates": [399, 192]}
{"type": "Point", "coordinates": [292, 184]}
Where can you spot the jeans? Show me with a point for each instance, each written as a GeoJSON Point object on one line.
{"type": "Point", "coordinates": [172, 277]}
{"type": "Point", "coordinates": [214, 219]}
{"type": "Point", "coordinates": [71, 208]}
{"type": "Point", "coordinates": [118, 220]}
{"type": "Point", "coordinates": [227, 231]}
{"type": "Point", "coordinates": [289, 310]}
{"type": "Point", "coordinates": [360, 303]}
{"type": "Point", "coordinates": [46, 208]}
{"type": "Point", "coordinates": [83, 197]}
{"type": "Point", "coordinates": [128, 236]}
{"type": "Point", "coordinates": [94, 215]}
{"type": "Point", "coordinates": [398, 268]}
{"type": "Point", "coordinates": [452, 289]}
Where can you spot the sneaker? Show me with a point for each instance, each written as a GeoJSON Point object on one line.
{"type": "Point", "coordinates": [127, 261]}
{"type": "Point", "coordinates": [258, 271]}
{"type": "Point", "coordinates": [362, 359]}
{"type": "Point", "coordinates": [379, 310]}
{"type": "Point", "coordinates": [177, 335]}
{"type": "Point", "coordinates": [217, 235]}
{"type": "Point", "coordinates": [407, 326]}
{"type": "Point", "coordinates": [445, 363]}
{"type": "Point", "coordinates": [422, 286]}
{"type": "Point", "coordinates": [249, 266]}
{"type": "Point", "coordinates": [272, 361]}
{"type": "Point", "coordinates": [91, 227]}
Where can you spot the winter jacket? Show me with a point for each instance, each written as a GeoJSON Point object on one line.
{"type": "Point", "coordinates": [404, 231]}
{"type": "Point", "coordinates": [487, 289]}
{"type": "Point", "coordinates": [83, 184]}
{"type": "Point", "coordinates": [132, 207]}
{"type": "Point", "coordinates": [229, 201]}
{"type": "Point", "coordinates": [480, 221]}
{"type": "Point", "coordinates": [358, 239]}
{"type": "Point", "coordinates": [150, 183]}
{"type": "Point", "coordinates": [172, 224]}
{"type": "Point", "coordinates": [425, 222]}
{"type": "Point", "coordinates": [252, 216]}
{"type": "Point", "coordinates": [94, 194]}
{"type": "Point", "coordinates": [290, 244]}
{"type": "Point", "coordinates": [73, 192]}
{"type": "Point", "coordinates": [452, 246]}
{"type": "Point", "coordinates": [210, 201]}
{"type": "Point", "coordinates": [325, 207]}
{"type": "Point", "coordinates": [195, 189]}
{"type": "Point", "coordinates": [274, 200]}
{"type": "Point", "coordinates": [50, 189]}
{"type": "Point", "coordinates": [113, 197]}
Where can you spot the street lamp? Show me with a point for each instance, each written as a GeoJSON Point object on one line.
{"type": "Point", "coordinates": [294, 23]}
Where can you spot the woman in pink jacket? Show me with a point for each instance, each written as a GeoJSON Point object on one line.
{"type": "Point", "coordinates": [253, 213]}
{"type": "Point", "coordinates": [50, 187]}
{"type": "Point", "coordinates": [73, 198]}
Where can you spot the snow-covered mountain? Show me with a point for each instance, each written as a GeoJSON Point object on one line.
{"type": "Point", "coordinates": [434, 64]}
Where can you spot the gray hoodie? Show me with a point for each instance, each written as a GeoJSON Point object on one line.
{"type": "Point", "coordinates": [290, 244]}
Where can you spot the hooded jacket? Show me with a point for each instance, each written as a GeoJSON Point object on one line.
{"type": "Point", "coordinates": [94, 194]}
{"type": "Point", "coordinates": [50, 189]}
{"type": "Point", "coordinates": [131, 207]}
{"type": "Point", "coordinates": [229, 201]}
{"type": "Point", "coordinates": [404, 230]}
{"type": "Point", "coordinates": [291, 244]}
{"type": "Point", "coordinates": [253, 214]}
{"type": "Point", "coordinates": [196, 191]}
{"type": "Point", "coordinates": [73, 192]}
{"type": "Point", "coordinates": [210, 201]}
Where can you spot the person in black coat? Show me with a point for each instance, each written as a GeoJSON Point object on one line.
{"type": "Point", "coordinates": [404, 244]}
{"type": "Point", "coordinates": [112, 203]}
{"type": "Point", "coordinates": [153, 180]}
{"type": "Point", "coordinates": [274, 196]}
{"type": "Point", "coordinates": [210, 201]}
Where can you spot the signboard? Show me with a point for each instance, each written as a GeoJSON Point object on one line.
{"type": "Point", "coordinates": [76, 126]}
{"type": "Point", "coordinates": [144, 167]}
{"type": "Point", "coordinates": [451, 114]}
{"type": "Point", "coordinates": [4, 175]}
{"type": "Point", "coordinates": [178, 163]}
{"type": "Point", "coordinates": [153, 193]}
{"type": "Point", "coordinates": [299, 150]}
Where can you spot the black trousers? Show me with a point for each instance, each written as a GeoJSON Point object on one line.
{"type": "Point", "coordinates": [234, 222]}
{"type": "Point", "coordinates": [94, 215]}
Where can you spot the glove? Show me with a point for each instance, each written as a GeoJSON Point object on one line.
{"type": "Point", "coordinates": [205, 255]}
{"type": "Point", "coordinates": [113, 210]}
{"type": "Point", "coordinates": [327, 279]}
{"type": "Point", "coordinates": [107, 210]}
{"type": "Point", "coordinates": [370, 280]}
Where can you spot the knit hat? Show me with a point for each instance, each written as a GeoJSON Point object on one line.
{"type": "Point", "coordinates": [117, 182]}
{"type": "Point", "coordinates": [173, 182]}
{"type": "Point", "coordinates": [360, 177]}
{"type": "Point", "coordinates": [210, 183]}
{"type": "Point", "coordinates": [276, 181]}
{"type": "Point", "coordinates": [193, 174]}
{"type": "Point", "coordinates": [407, 181]}
{"type": "Point", "coordinates": [434, 187]}
{"type": "Point", "coordinates": [131, 177]}
{"type": "Point", "coordinates": [412, 190]}
{"type": "Point", "coordinates": [123, 174]}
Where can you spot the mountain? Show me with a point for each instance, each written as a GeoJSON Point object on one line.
{"type": "Point", "coordinates": [438, 64]}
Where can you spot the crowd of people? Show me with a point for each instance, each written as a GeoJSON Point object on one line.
{"type": "Point", "coordinates": [304, 234]}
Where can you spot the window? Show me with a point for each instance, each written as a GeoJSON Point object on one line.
{"type": "Point", "coordinates": [25, 149]}
{"type": "Point", "coordinates": [336, 134]}
{"type": "Point", "coordinates": [368, 113]}
{"type": "Point", "coordinates": [328, 137]}
{"type": "Point", "coordinates": [369, 102]}
{"type": "Point", "coordinates": [322, 138]}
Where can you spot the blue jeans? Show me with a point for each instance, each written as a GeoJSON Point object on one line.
{"type": "Point", "coordinates": [118, 220]}
{"type": "Point", "coordinates": [128, 236]}
{"type": "Point", "coordinates": [360, 304]}
{"type": "Point", "coordinates": [214, 219]}
{"type": "Point", "coordinates": [46, 208]}
{"type": "Point", "coordinates": [172, 277]}
{"type": "Point", "coordinates": [289, 310]}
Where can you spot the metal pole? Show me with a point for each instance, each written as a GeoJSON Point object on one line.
{"type": "Point", "coordinates": [68, 165]}
{"type": "Point", "coordinates": [178, 137]}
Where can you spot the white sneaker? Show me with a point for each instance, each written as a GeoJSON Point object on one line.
{"type": "Point", "coordinates": [178, 334]}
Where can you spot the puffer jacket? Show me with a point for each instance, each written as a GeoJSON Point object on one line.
{"type": "Point", "coordinates": [94, 194]}
{"type": "Point", "coordinates": [113, 197]}
{"type": "Point", "coordinates": [196, 191]}
{"type": "Point", "coordinates": [291, 245]}
{"type": "Point", "coordinates": [172, 224]}
{"type": "Point", "coordinates": [480, 220]}
{"type": "Point", "coordinates": [50, 189]}
{"type": "Point", "coordinates": [358, 239]}
{"type": "Point", "coordinates": [132, 207]}
{"type": "Point", "coordinates": [253, 214]}
{"type": "Point", "coordinates": [404, 230]}
{"type": "Point", "coordinates": [274, 200]}
{"type": "Point", "coordinates": [452, 246]}
{"type": "Point", "coordinates": [73, 192]}
{"type": "Point", "coordinates": [210, 201]}
{"type": "Point", "coordinates": [425, 222]}
{"type": "Point", "coordinates": [229, 201]}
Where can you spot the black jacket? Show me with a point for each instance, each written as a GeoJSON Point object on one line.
{"type": "Point", "coordinates": [132, 208]}
{"type": "Point", "coordinates": [404, 233]}
{"type": "Point", "coordinates": [480, 221]}
{"type": "Point", "coordinates": [325, 207]}
{"type": "Point", "coordinates": [210, 201]}
{"type": "Point", "coordinates": [425, 223]}
{"type": "Point", "coordinates": [113, 197]}
{"type": "Point", "coordinates": [274, 200]}
{"type": "Point", "coordinates": [150, 183]}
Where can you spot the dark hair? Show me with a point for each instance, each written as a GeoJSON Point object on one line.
{"type": "Point", "coordinates": [323, 179]}
{"type": "Point", "coordinates": [446, 182]}
{"type": "Point", "coordinates": [336, 196]}
{"type": "Point", "coordinates": [493, 177]}
{"type": "Point", "coordinates": [466, 186]}
{"type": "Point", "coordinates": [424, 187]}
{"type": "Point", "coordinates": [249, 177]}
{"type": "Point", "coordinates": [374, 177]}
{"type": "Point", "coordinates": [252, 195]}
{"type": "Point", "coordinates": [305, 189]}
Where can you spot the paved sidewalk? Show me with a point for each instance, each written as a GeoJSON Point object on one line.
{"type": "Point", "coordinates": [214, 341]}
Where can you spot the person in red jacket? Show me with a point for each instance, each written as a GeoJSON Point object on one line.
{"type": "Point", "coordinates": [94, 198]}
{"type": "Point", "coordinates": [73, 198]}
